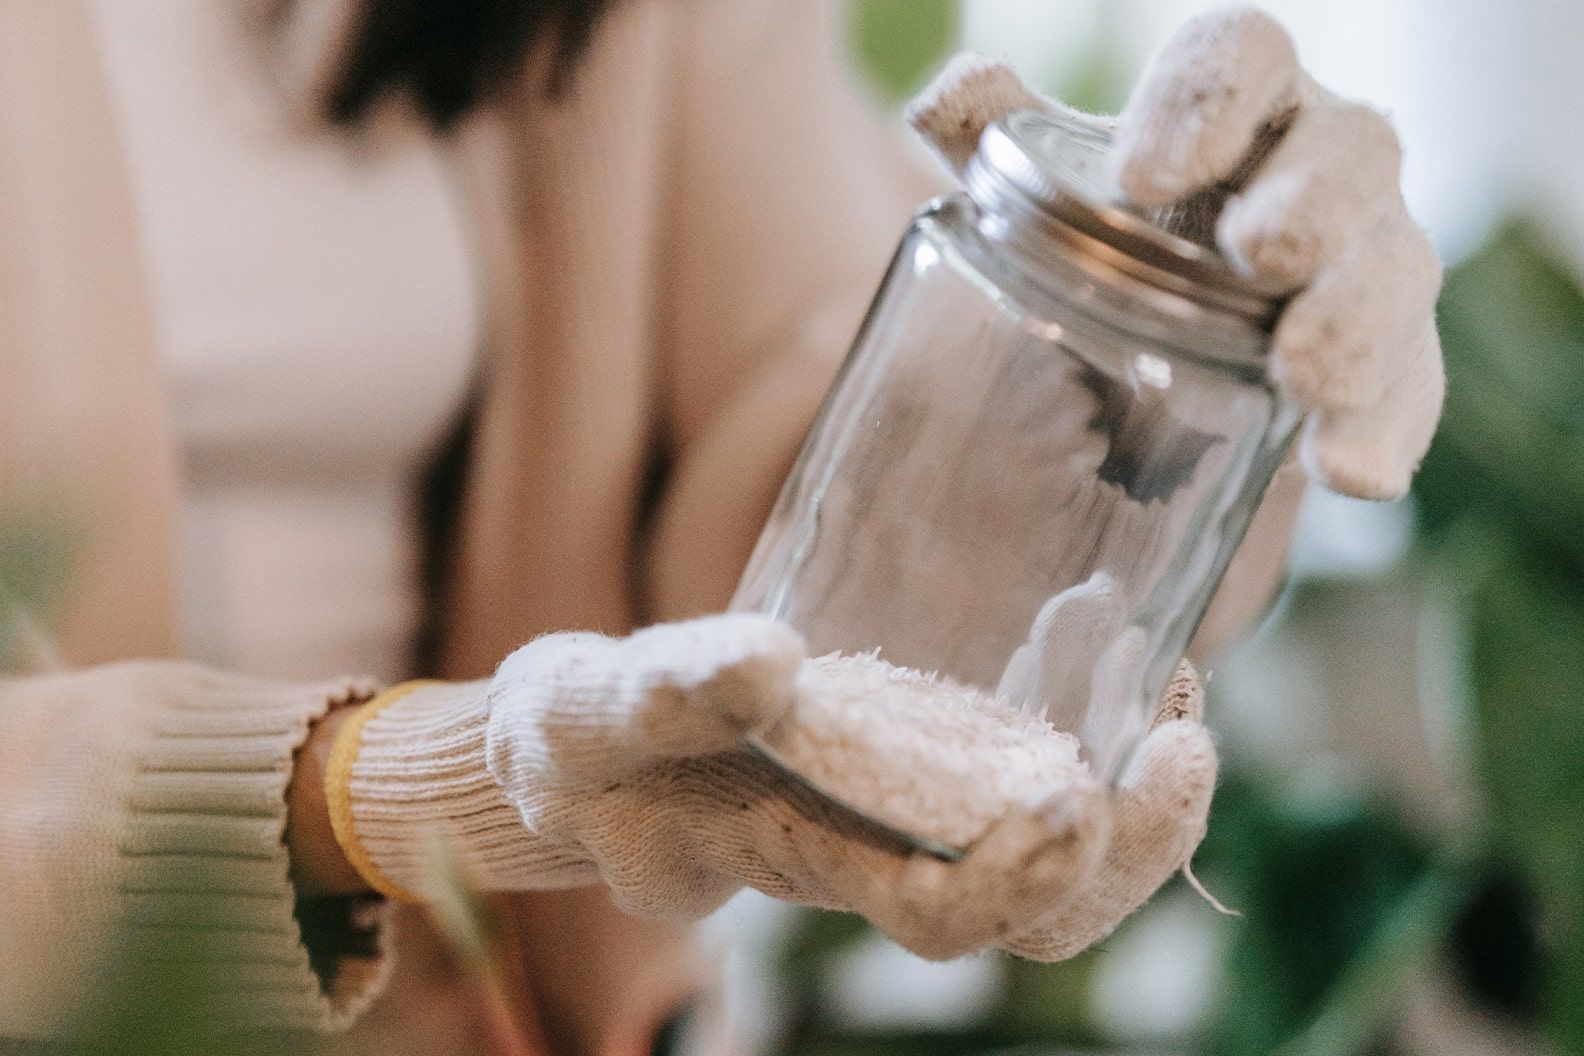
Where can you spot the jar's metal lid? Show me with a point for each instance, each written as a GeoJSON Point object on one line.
{"type": "Point", "coordinates": [1056, 167]}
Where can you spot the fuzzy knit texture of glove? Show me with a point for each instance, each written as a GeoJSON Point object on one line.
{"type": "Point", "coordinates": [1322, 214]}
{"type": "Point", "coordinates": [593, 759]}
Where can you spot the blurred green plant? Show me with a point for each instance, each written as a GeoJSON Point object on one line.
{"type": "Point", "coordinates": [899, 43]}
{"type": "Point", "coordinates": [1340, 899]}
{"type": "Point", "coordinates": [471, 927]}
{"type": "Point", "coordinates": [171, 991]}
{"type": "Point", "coordinates": [1501, 498]}
{"type": "Point", "coordinates": [162, 992]}
{"type": "Point", "coordinates": [36, 556]}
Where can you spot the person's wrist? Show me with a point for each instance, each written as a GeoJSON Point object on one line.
{"type": "Point", "coordinates": [318, 865]}
{"type": "Point", "coordinates": [412, 801]}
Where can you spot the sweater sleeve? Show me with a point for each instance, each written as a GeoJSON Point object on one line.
{"type": "Point", "coordinates": [788, 193]}
{"type": "Point", "coordinates": [142, 815]}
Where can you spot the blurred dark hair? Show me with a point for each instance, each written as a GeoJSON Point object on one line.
{"type": "Point", "coordinates": [448, 56]}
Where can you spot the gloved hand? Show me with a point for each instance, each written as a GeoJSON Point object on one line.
{"type": "Point", "coordinates": [1322, 213]}
{"type": "Point", "coordinates": [592, 759]}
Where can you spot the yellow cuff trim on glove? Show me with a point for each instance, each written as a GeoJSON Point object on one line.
{"type": "Point", "coordinates": [338, 790]}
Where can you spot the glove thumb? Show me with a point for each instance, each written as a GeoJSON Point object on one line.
{"type": "Point", "coordinates": [970, 92]}
{"type": "Point", "coordinates": [590, 706]}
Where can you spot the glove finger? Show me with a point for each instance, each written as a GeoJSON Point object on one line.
{"type": "Point", "coordinates": [789, 842]}
{"type": "Point", "coordinates": [1158, 818]}
{"type": "Point", "coordinates": [1195, 113]}
{"type": "Point", "coordinates": [1027, 863]}
{"type": "Point", "coordinates": [1347, 337]}
{"type": "Point", "coordinates": [967, 94]}
{"type": "Point", "coordinates": [677, 839]}
{"type": "Point", "coordinates": [779, 836]}
{"type": "Point", "coordinates": [1330, 180]}
{"type": "Point", "coordinates": [632, 833]}
{"type": "Point", "coordinates": [1359, 347]}
{"type": "Point", "coordinates": [1372, 452]}
{"type": "Point", "coordinates": [603, 706]}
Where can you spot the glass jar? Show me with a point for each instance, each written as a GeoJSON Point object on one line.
{"type": "Point", "coordinates": [1042, 450]}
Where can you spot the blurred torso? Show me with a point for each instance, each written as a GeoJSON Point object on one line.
{"type": "Point", "coordinates": [316, 316]}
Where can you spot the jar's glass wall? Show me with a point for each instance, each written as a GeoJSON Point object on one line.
{"type": "Point", "coordinates": [1006, 490]}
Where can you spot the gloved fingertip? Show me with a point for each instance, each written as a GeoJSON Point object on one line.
{"type": "Point", "coordinates": [1261, 236]}
{"type": "Point", "coordinates": [747, 672]}
{"type": "Point", "coordinates": [968, 93]}
{"type": "Point", "coordinates": [1173, 771]}
{"type": "Point", "coordinates": [1075, 828]}
{"type": "Point", "coordinates": [1362, 466]}
{"type": "Point", "coordinates": [1146, 177]}
{"type": "Point", "coordinates": [1365, 480]}
{"type": "Point", "coordinates": [1196, 110]}
{"type": "Point", "coordinates": [747, 637]}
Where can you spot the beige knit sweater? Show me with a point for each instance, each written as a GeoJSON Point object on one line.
{"type": "Point", "coordinates": [676, 257]}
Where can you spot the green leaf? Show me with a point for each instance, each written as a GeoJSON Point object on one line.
{"type": "Point", "coordinates": [1511, 443]}
{"type": "Point", "coordinates": [1502, 491]}
{"type": "Point", "coordinates": [1360, 1005]}
{"type": "Point", "coordinates": [1052, 1001]}
{"type": "Point", "coordinates": [37, 553]}
{"type": "Point", "coordinates": [1527, 662]}
{"type": "Point", "coordinates": [899, 43]}
{"type": "Point", "coordinates": [1526, 659]}
{"type": "Point", "coordinates": [815, 942]}
{"type": "Point", "coordinates": [1319, 880]}
{"type": "Point", "coordinates": [989, 1041]}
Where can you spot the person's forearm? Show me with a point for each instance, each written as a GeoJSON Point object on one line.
{"type": "Point", "coordinates": [318, 866]}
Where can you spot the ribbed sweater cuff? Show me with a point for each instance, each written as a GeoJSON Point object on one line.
{"type": "Point", "coordinates": [424, 801]}
{"type": "Point", "coordinates": [206, 880]}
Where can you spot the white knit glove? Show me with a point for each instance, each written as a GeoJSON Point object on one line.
{"type": "Point", "coordinates": [592, 759]}
{"type": "Point", "coordinates": [1322, 213]}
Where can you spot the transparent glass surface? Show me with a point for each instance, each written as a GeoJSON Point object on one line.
{"type": "Point", "coordinates": [1009, 489]}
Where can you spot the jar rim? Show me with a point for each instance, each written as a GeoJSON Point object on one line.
{"type": "Point", "coordinates": [1052, 169]}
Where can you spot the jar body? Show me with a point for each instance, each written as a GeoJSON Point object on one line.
{"type": "Point", "coordinates": [1019, 483]}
